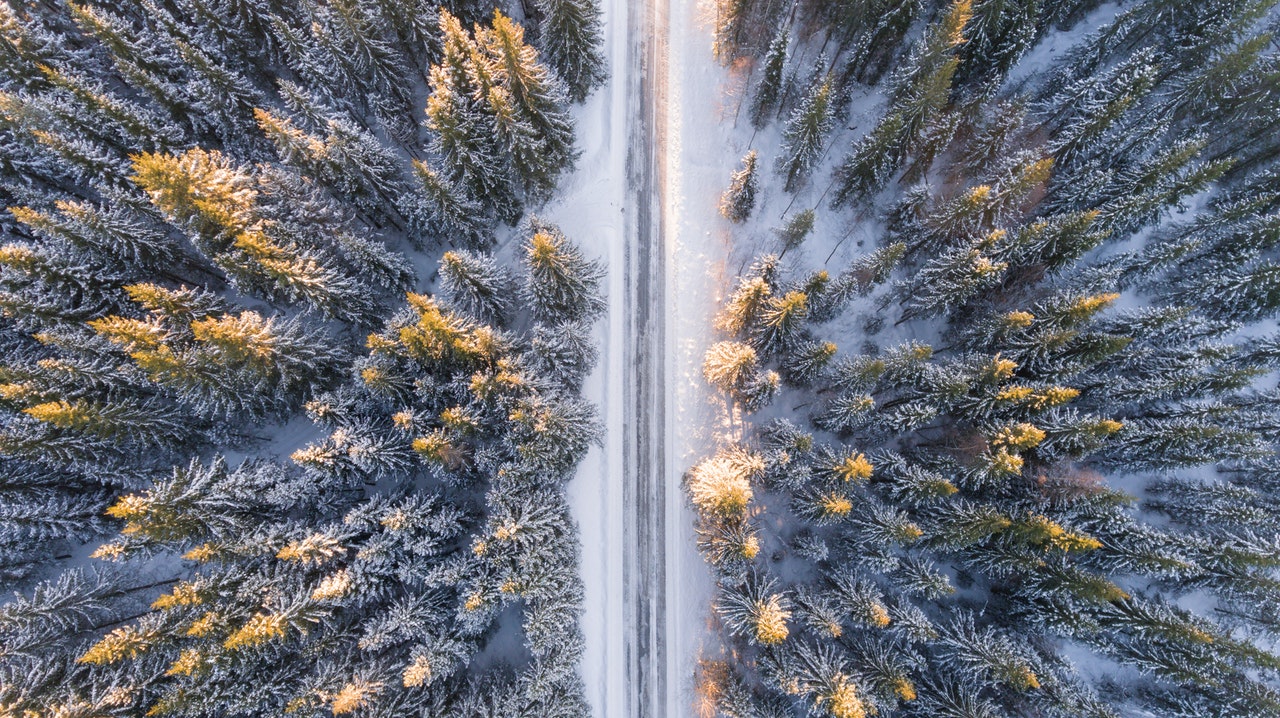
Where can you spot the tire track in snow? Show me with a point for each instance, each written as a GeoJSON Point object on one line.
{"type": "Point", "coordinates": [645, 392]}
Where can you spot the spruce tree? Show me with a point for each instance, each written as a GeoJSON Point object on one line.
{"type": "Point", "coordinates": [796, 230]}
{"type": "Point", "coordinates": [437, 200]}
{"type": "Point", "coordinates": [560, 284]}
{"type": "Point", "coordinates": [571, 40]}
{"type": "Point", "coordinates": [475, 284]}
{"type": "Point", "coordinates": [805, 133]}
{"type": "Point", "coordinates": [537, 98]}
{"type": "Point", "coordinates": [737, 202]}
{"type": "Point", "coordinates": [461, 126]}
{"type": "Point", "coordinates": [769, 90]}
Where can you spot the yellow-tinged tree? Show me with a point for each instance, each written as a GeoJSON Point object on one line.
{"type": "Point", "coordinates": [439, 337]}
{"type": "Point", "coordinates": [1040, 530]}
{"type": "Point", "coordinates": [721, 484]}
{"type": "Point", "coordinates": [853, 467]}
{"type": "Point", "coordinates": [222, 206]}
{"type": "Point", "coordinates": [259, 629]}
{"type": "Point", "coordinates": [754, 610]}
{"type": "Point", "coordinates": [1017, 437]}
{"type": "Point", "coordinates": [744, 307]}
{"type": "Point", "coordinates": [316, 548]}
{"type": "Point", "coordinates": [202, 189]}
{"type": "Point", "coordinates": [729, 365]}
{"type": "Point", "coordinates": [353, 696]}
{"type": "Point", "coordinates": [107, 421]}
{"type": "Point", "coordinates": [121, 644]}
{"type": "Point", "coordinates": [418, 672]}
{"type": "Point", "coordinates": [560, 283]}
{"type": "Point", "coordinates": [843, 699]}
{"type": "Point", "coordinates": [780, 321]}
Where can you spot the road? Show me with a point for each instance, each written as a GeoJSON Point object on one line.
{"type": "Point", "coordinates": [646, 590]}
{"type": "Point", "coordinates": [644, 387]}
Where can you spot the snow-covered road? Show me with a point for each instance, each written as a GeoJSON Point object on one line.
{"type": "Point", "coordinates": [644, 440]}
{"type": "Point", "coordinates": [647, 206]}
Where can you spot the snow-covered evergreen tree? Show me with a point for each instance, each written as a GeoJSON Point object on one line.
{"type": "Point", "coordinates": [572, 42]}
{"type": "Point", "coordinates": [737, 202]}
{"type": "Point", "coordinates": [1090, 261]}
{"type": "Point", "coordinates": [560, 284]}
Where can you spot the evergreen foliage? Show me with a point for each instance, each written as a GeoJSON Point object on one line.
{"type": "Point", "coordinates": [737, 202]}
{"type": "Point", "coordinates": [221, 493]}
{"type": "Point", "coordinates": [1021, 464]}
{"type": "Point", "coordinates": [571, 40]}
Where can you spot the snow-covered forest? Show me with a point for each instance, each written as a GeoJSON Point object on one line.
{"type": "Point", "coordinates": [999, 369]}
{"type": "Point", "coordinates": [290, 374]}
{"type": "Point", "coordinates": [389, 358]}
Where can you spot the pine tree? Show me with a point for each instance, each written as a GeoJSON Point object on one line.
{"type": "Point", "coordinates": [1087, 110]}
{"type": "Point", "coordinates": [27, 46]}
{"type": "Point", "coordinates": [781, 323]}
{"type": "Point", "coordinates": [221, 205]}
{"type": "Point", "coordinates": [43, 285]}
{"type": "Point", "coordinates": [222, 96]}
{"type": "Point", "coordinates": [919, 91]}
{"type": "Point", "coordinates": [360, 61]}
{"type": "Point", "coordinates": [141, 57]}
{"type": "Point", "coordinates": [721, 485]}
{"type": "Point", "coordinates": [552, 434]}
{"type": "Point", "coordinates": [999, 32]}
{"type": "Point", "coordinates": [436, 337]}
{"type": "Point", "coordinates": [560, 284]}
{"type": "Point", "coordinates": [821, 673]}
{"type": "Point", "coordinates": [754, 610]}
{"type": "Point", "coordinates": [805, 364]}
{"type": "Point", "coordinates": [195, 504]}
{"type": "Point", "coordinates": [1059, 240]}
{"type": "Point", "coordinates": [742, 312]}
{"type": "Point", "coordinates": [476, 285]}
{"type": "Point", "coordinates": [769, 90]}
{"type": "Point", "coordinates": [871, 163]}
{"type": "Point", "coordinates": [729, 366]}
{"type": "Point", "coordinates": [122, 231]}
{"type": "Point", "coordinates": [565, 352]}
{"type": "Point", "coordinates": [796, 230]}
{"type": "Point", "coordinates": [737, 202]}
{"type": "Point", "coordinates": [237, 24]}
{"type": "Point", "coordinates": [986, 656]}
{"type": "Point", "coordinates": [731, 18]}
{"type": "Point", "coordinates": [571, 40]}
{"type": "Point", "coordinates": [144, 424]}
{"type": "Point", "coordinates": [806, 132]}
{"type": "Point", "coordinates": [954, 277]}
{"type": "Point", "coordinates": [413, 22]}
{"type": "Point", "coordinates": [127, 121]}
{"type": "Point", "coordinates": [200, 190]}
{"type": "Point", "coordinates": [36, 519]}
{"type": "Point", "coordinates": [537, 98]}
{"type": "Point", "coordinates": [221, 364]}
{"type": "Point", "coordinates": [347, 159]}
{"type": "Point", "coordinates": [1246, 294]}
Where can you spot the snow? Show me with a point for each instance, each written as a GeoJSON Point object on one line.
{"type": "Point", "coordinates": [700, 107]}
{"type": "Point", "coordinates": [593, 209]}
{"type": "Point", "coordinates": [590, 210]}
